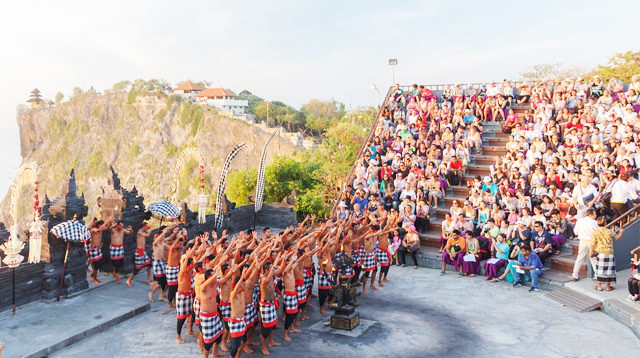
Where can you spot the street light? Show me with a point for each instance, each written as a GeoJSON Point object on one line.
{"type": "Point", "coordinates": [375, 88]}
{"type": "Point", "coordinates": [393, 62]}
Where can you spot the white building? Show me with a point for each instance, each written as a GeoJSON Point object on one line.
{"type": "Point", "coordinates": [223, 100]}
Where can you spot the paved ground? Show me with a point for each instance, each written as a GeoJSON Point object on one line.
{"type": "Point", "coordinates": [419, 314]}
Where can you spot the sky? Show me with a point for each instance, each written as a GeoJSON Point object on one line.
{"type": "Point", "coordinates": [292, 51]}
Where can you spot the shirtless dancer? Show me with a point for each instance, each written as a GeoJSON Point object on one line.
{"type": "Point", "coordinates": [184, 296]}
{"type": "Point", "coordinates": [301, 289]}
{"type": "Point", "coordinates": [211, 325]}
{"type": "Point", "coordinates": [268, 303]}
{"type": "Point", "coordinates": [250, 311]}
{"type": "Point", "coordinates": [225, 284]}
{"type": "Point", "coordinates": [95, 247]}
{"type": "Point", "coordinates": [159, 264]}
{"type": "Point", "coordinates": [116, 247]}
{"type": "Point", "coordinates": [173, 266]}
{"type": "Point", "coordinates": [290, 298]}
{"type": "Point", "coordinates": [325, 267]}
{"type": "Point", "coordinates": [141, 259]}
{"type": "Point", "coordinates": [237, 324]}
{"type": "Point", "coordinates": [382, 255]}
{"type": "Point", "coordinates": [369, 260]}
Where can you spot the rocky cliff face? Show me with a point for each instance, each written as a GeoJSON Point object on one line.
{"type": "Point", "coordinates": [142, 138]}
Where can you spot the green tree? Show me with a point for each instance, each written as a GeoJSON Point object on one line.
{"type": "Point", "coordinates": [320, 115]}
{"type": "Point", "coordinates": [623, 65]}
{"type": "Point", "coordinates": [240, 185]}
{"type": "Point", "coordinates": [121, 86]}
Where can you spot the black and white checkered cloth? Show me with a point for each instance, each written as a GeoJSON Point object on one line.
{"type": "Point", "coordinates": [116, 252]}
{"type": "Point", "coordinates": [159, 267]}
{"type": "Point", "coordinates": [355, 256]}
{"type": "Point", "coordinates": [302, 293]}
{"type": "Point", "coordinates": [172, 275]}
{"type": "Point", "coordinates": [307, 276]}
{"type": "Point", "coordinates": [71, 230]}
{"type": "Point", "coordinates": [605, 266]}
{"type": "Point", "coordinates": [369, 261]}
{"type": "Point", "coordinates": [184, 303]}
{"type": "Point", "coordinates": [237, 327]}
{"type": "Point", "coordinates": [250, 314]}
{"type": "Point", "coordinates": [164, 209]}
{"type": "Point", "coordinates": [382, 257]}
{"type": "Point", "coordinates": [225, 310]}
{"type": "Point", "coordinates": [141, 259]}
{"type": "Point", "coordinates": [323, 281]}
{"type": "Point", "coordinates": [95, 253]}
{"type": "Point", "coordinates": [268, 313]}
{"type": "Point", "coordinates": [211, 326]}
{"type": "Point", "coordinates": [290, 302]}
{"type": "Point", "coordinates": [196, 310]}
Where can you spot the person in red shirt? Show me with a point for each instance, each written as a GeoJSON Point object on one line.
{"type": "Point", "coordinates": [455, 171]}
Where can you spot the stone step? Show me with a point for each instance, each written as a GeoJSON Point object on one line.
{"type": "Point", "coordinates": [494, 150]}
{"type": "Point", "coordinates": [479, 169]}
{"type": "Point", "coordinates": [497, 141]}
{"type": "Point", "coordinates": [564, 263]}
{"type": "Point", "coordinates": [484, 159]}
{"type": "Point", "coordinates": [574, 300]}
{"type": "Point", "coordinates": [458, 190]}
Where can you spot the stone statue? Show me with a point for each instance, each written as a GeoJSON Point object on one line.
{"type": "Point", "coordinates": [344, 292]}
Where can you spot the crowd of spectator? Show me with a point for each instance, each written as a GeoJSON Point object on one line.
{"type": "Point", "coordinates": [571, 153]}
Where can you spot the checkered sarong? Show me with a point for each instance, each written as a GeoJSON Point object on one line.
{"type": "Point", "coordinates": [290, 301]}
{"type": "Point", "coordinates": [308, 279]}
{"type": "Point", "coordinates": [172, 275]}
{"type": "Point", "coordinates": [268, 313]}
{"type": "Point", "coordinates": [225, 310]}
{"type": "Point", "coordinates": [369, 261]}
{"type": "Point", "coordinates": [95, 253]}
{"type": "Point", "coordinates": [237, 327]}
{"type": "Point", "coordinates": [184, 304]}
{"type": "Point", "coordinates": [355, 256]}
{"type": "Point", "coordinates": [116, 252]}
{"type": "Point", "coordinates": [256, 294]}
{"type": "Point", "coordinates": [211, 326]}
{"type": "Point", "coordinates": [141, 259]}
{"type": "Point", "coordinates": [302, 291]}
{"type": "Point", "coordinates": [323, 281]}
{"type": "Point", "coordinates": [196, 310]}
{"type": "Point", "coordinates": [382, 256]}
{"type": "Point", "coordinates": [159, 267]}
{"type": "Point", "coordinates": [250, 314]}
{"type": "Point", "coordinates": [605, 270]}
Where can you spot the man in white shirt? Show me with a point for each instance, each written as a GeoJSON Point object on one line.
{"type": "Point", "coordinates": [583, 194]}
{"type": "Point", "coordinates": [584, 230]}
{"type": "Point", "coordinates": [621, 191]}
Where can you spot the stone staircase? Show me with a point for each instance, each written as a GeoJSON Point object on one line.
{"type": "Point", "coordinates": [559, 267]}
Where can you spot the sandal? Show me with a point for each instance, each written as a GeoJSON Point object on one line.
{"type": "Point", "coordinates": [598, 288]}
{"type": "Point", "coordinates": [609, 288]}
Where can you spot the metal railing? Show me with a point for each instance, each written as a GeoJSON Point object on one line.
{"type": "Point", "coordinates": [625, 219]}
{"type": "Point", "coordinates": [349, 178]}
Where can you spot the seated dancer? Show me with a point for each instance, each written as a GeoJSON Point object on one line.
{"type": "Point", "coordinates": [141, 259]}
{"type": "Point", "coordinates": [116, 247]}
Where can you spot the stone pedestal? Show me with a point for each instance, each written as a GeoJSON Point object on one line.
{"type": "Point", "coordinates": [345, 318]}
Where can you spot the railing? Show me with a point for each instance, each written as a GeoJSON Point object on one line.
{"type": "Point", "coordinates": [625, 219]}
{"type": "Point", "coordinates": [349, 178]}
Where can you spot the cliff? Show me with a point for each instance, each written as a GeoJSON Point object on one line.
{"type": "Point", "coordinates": [142, 137]}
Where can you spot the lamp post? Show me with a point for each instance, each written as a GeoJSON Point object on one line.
{"type": "Point", "coordinates": [373, 87]}
{"type": "Point", "coordinates": [393, 62]}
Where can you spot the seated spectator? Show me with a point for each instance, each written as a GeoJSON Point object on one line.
{"type": "Point", "coordinates": [411, 245]}
{"type": "Point", "coordinates": [471, 259]}
{"type": "Point", "coordinates": [541, 242]}
{"type": "Point", "coordinates": [501, 250]}
{"type": "Point", "coordinates": [454, 251]}
{"type": "Point", "coordinates": [529, 264]}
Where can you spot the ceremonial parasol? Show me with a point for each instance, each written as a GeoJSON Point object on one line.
{"type": "Point", "coordinates": [71, 230]}
{"type": "Point", "coordinates": [164, 209]}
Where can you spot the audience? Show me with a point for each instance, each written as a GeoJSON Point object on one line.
{"type": "Point", "coordinates": [571, 153]}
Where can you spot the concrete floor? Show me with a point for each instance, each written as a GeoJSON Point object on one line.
{"type": "Point", "coordinates": [418, 314]}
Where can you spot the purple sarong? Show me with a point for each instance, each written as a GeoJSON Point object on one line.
{"type": "Point", "coordinates": [492, 270]}
{"type": "Point", "coordinates": [471, 268]}
{"type": "Point", "coordinates": [456, 263]}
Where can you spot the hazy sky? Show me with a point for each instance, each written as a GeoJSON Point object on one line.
{"type": "Point", "coordinates": [292, 50]}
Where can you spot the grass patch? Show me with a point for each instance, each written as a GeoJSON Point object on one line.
{"type": "Point", "coordinates": [170, 149]}
{"type": "Point", "coordinates": [193, 115]}
{"type": "Point", "coordinates": [174, 98]}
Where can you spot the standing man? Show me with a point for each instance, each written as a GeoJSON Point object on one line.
{"type": "Point", "coordinates": [173, 267]}
{"type": "Point", "coordinates": [584, 229]}
{"type": "Point", "coordinates": [529, 264]}
{"type": "Point", "coordinates": [382, 255]}
{"type": "Point", "coordinates": [290, 298]}
{"type": "Point", "coordinates": [116, 247]}
{"type": "Point", "coordinates": [237, 324]}
{"type": "Point", "coordinates": [211, 325]}
{"type": "Point", "coordinates": [268, 304]}
{"type": "Point", "coordinates": [184, 296]}
{"type": "Point", "coordinates": [369, 260]}
{"type": "Point", "coordinates": [141, 259]}
{"type": "Point", "coordinates": [95, 247]}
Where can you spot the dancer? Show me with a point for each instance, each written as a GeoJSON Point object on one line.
{"type": "Point", "coordinates": [141, 259]}
{"type": "Point", "coordinates": [116, 247]}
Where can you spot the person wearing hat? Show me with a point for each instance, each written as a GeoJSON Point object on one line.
{"type": "Point", "coordinates": [489, 185]}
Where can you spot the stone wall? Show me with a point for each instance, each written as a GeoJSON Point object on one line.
{"type": "Point", "coordinates": [271, 215]}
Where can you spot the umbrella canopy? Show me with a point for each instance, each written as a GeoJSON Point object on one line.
{"type": "Point", "coordinates": [71, 230]}
{"type": "Point", "coordinates": [164, 209]}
